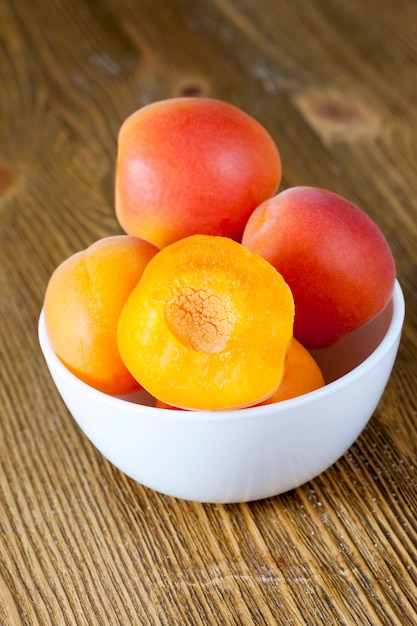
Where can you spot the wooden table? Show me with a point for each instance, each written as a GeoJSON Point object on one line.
{"type": "Point", "coordinates": [80, 543]}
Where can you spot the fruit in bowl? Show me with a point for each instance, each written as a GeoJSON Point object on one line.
{"type": "Point", "coordinates": [83, 301]}
{"type": "Point", "coordinates": [334, 257]}
{"type": "Point", "coordinates": [208, 326]}
{"type": "Point", "coordinates": [277, 347]}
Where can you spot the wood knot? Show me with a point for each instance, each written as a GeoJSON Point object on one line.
{"type": "Point", "coordinates": [191, 88]}
{"type": "Point", "coordinates": [335, 117]}
{"type": "Point", "coordinates": [335, 110]}
{"type": "Point", "coordinates": [6, 179]}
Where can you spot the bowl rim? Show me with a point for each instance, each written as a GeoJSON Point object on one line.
{"type": "Point", "coordinates": [392, 334]}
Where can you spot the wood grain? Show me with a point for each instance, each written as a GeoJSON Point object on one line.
{"type": "Point", "coordinates": [80, 543]}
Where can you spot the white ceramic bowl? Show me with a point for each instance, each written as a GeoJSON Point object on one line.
{"type": "Point", "coordinates": [236, 456]}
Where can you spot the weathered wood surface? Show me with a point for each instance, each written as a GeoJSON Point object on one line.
{"type": "Point", "coordinates": [336, 84]}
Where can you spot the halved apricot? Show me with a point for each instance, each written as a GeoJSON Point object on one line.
{"type": "Point", "coordinates": [301, 375]}
{"type": "Point", "coordinates": [209, 325]}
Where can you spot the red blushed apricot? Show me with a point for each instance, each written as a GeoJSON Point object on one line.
{"type": "Point", "coordinates": [301, 375]}
{"type": "Point", "coordinates": [190, 166]}
{"type": "Point", "coordinates": [335, 259]}
{"type": "Point", "coordinates": [83, 301]}
{"type": "Point", "coordinates": [208, 326]}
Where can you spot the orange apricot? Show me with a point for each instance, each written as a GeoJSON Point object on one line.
{"type": "Point", "coordinates": [190, 166]}
{"type": "Point", "coordinates": [208, 326]}
{"type": "Point", "coordinates": [163, 405]}
{"type": "Point", "coordinates": [301, 375]}
{"type": "Point", "coordinates": [83, 301]}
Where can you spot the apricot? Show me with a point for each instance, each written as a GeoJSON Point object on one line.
{"type": "Point", "coordinates": [301, 375]}
{"type": "Point", "coordinates": [190, 166]}
{"type": "Point", "coordinates": [333, 256]}
{"type": "Point", "coordinates": [83, 301]}
{"type": "Point", "coordinates": [163, 405]}
{"type": "Point", "coordinates": [208, 326]}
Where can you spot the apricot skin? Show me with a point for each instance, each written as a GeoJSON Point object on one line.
{"type": "Point", "coordinates": [335, 259]}
{"type": "Point", "coordinates": [301, 375]}
{"type": "Point", "coordinates": [83, 301]}
{"type": "Point", "coordinates": [190, 166]}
